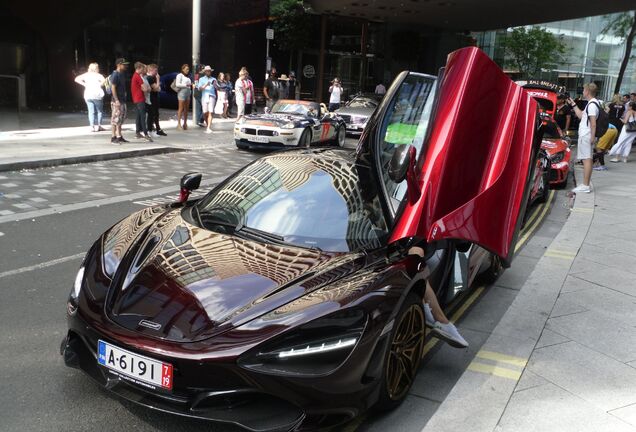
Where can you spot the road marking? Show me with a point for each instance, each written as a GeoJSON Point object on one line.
{"type": "Point", "coordinates": [494, 370]}
{"type": "Point", "coordinates": [42, 265]}
{"type": "Point", "coordinates": [532, 227]}
{"type": "Point", "coordinates": [555, 253]}
{"type": "Point", "coordinates": [94, 203]}
{"type": "Point", "coordinates": [502, 358]}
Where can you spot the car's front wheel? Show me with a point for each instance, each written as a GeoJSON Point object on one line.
{"type": "Point", "coordinates": [305, 139]}
{"type": "Point", "coordinates": [404, 353]}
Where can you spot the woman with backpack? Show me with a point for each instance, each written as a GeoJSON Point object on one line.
{"type": "Point", "coordinates": [93, 82]}
{"type": "Point", "coordinates": [624, 144]}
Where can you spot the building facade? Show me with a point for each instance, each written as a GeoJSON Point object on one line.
{"type": "Point", "coordinates": [592, 55]}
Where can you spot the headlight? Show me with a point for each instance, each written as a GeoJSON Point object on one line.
{"type": "Point", "coordinates": [557, 157]}
{"type": "Point", "coordinates": [288, 126]}
{"type": "Point", "coordinates": [75, 292]}
{"type": "Point", "coordinates": [316, 348]}
{"type": "Point", "coordinates": [358, 120]}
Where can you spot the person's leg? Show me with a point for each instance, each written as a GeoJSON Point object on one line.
{"type": "Point", "coordinates": [179, 111]}
{"type": "Point", "coordinates": [113, 121]}
{"type": "Point", "coordinates": [431, 299]}
{"type": "Point", "coordinates": [248, 109]}
{"type": "Point", "coordinates": [442, 327]}
{"type": "Point", "coordinates": [143, 121]}
{"type": "Point", "coordinates": [186, 112]}
{"type": "Point", "coordinates": [149, 118]}
{"type": "Point", "coordinates": [138, 120]}
{"type": "Point", "coordinates": [99, 105]}
{"type": "Point", "coordinates": [91, 113]}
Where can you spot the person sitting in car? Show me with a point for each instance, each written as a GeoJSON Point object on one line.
{"type": "Point", "coordinates": [435, 318]}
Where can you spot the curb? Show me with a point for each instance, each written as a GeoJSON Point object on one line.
{"type": "Point", "coordinates": [16, 166]}
{"type": "Point", "coordinates": [479, 398]}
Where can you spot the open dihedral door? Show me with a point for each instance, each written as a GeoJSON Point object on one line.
{"type": "Point", "coordinates": [474, 172]}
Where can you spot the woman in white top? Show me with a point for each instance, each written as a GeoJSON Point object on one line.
{"type": "Point", "coordinates": [336, 93]}
{"type": "Point", "coordinates": [244, 92]}
{"type": "Point", "coordinates": [624, 144]}
{"type": "Point", "coordinates": [93, 95]}
{"type": "Point", "coordinates": [184, 92]}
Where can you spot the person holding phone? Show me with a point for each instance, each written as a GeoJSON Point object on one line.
{"type": "Point", "coordinates": [207, 87]}
{"type": "Point", "coordinates": [336, 94]}
{"type": "Point", "coordinates": [587, 133]}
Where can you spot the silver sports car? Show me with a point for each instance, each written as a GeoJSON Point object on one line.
{"type": "Point", "coordinates": [357, 111]}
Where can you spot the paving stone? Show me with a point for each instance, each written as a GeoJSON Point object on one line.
{"type": "Point", "coordinates": [598, 379]}
{"type": "Point", "coordinates": [613, 278]}
{"type": "Point", "coordinates": [627, 414]}
{"type": "Point", "coordinates": [529, 380]}
{"type": "Point", "coordinates": [550, 408]}
{"type": "Point", "coordinates": [549, 337]}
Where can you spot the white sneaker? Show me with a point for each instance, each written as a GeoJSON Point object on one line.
{"type": "Point", "coordinates": [208, 131]}
{"type": "Point", "coordinates": [449, 333]}
{"type": "Point", "coordinates": [582, 189]}
{"type": "Point", "coordinates": [428, 315]}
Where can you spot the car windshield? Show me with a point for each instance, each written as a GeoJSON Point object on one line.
{"type": "Point", "coordinates": [284, 107]}
{"type": "Point", "coordinates": [551, 130]}
{"type": "Point", "coordinates": [306, 201]}
{"type": "Point", "coordinates": [363, 102]}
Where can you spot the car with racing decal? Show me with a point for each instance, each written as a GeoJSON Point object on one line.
{"type": "Point", "coordinates": [290, 123]}
{"type": "Point", "coordinates": [557, 146]}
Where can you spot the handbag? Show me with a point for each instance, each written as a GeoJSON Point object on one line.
{"type": "Point", "coordinates": [173, 86]}
{"type": "Point", "coordinates": [630, 126]}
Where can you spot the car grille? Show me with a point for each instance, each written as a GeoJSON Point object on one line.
{"type": "Point", "coordinates": [250, 131]}
{"type": "Point", "coordinates": [266, 132]}
{"type": "Point", "coordinates": [558, 157]}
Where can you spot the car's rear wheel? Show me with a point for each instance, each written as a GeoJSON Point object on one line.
{"type": "Point", "coordinates": [544, 190]}
{"type": "Point", "coordinates": [341, 136]}
{"type": "Point", "coordinates": [404, 353]}
{"type": "Point", "coordinates": [305, 139]}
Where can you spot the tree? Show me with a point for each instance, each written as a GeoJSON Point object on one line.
{"type": "Point", "coordinates": [292, 25]}
{"type": "Point", "coordinates": [532, 49]}
{"type": "Point", "coordinates": [624, 26]}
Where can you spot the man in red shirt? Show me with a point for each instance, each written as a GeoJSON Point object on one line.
{"type": "Point", "coordinates": [138, 90]}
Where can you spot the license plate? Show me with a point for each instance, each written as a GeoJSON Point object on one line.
{"type": "Point", "coordinates": [259, 139]}
{"type": "Point", "coordinates": [134, 367]}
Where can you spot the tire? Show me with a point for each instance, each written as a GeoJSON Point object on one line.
{"type": "Point", "coordinates": [494, 270]}
{"type": "Point", "coordinates": [341, 136]}
{"type": "Point", "coordinates": [305, 139]}
{"type": "Point", "coordinates": [239, 145]}
{"type": "Point", "coordinates": [545, 189]}
{"type": "Point", "coordinates": [404, 351]}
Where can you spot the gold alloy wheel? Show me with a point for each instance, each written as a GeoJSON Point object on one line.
{"type": "Point", "coordinates": [406, 352]}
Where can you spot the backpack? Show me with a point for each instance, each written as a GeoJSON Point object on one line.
{"type": "Point", "coordinates": [602, 121]}
{"type": "Point", "coordinates": [107, 88]}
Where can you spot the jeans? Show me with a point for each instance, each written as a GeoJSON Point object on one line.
{"type": "Point", "coordinates": [142, 127]}
{"type": "Point", "coordinates": [333, 106]}
{"type": "Point", "coordinates": [95, 111]}
{"type": "Point", "coordinates": [153, 115]}
{"type": "Point", "coordinates": [199, 110]}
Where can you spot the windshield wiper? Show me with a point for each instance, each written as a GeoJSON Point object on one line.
{"type": "Point", "coordinates": [214, 221]}
{"type": "Point", "coordinates": [261, 234]}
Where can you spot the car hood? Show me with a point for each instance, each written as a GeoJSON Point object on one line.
{"type": "Point", "coordinates": [183, 283]}
{"type": "Point", "coordinates": [554, 146]}
{"type": "Point", "coordinates": [355, 111]}
{"type": "Point", "coordinates": [272, 120]}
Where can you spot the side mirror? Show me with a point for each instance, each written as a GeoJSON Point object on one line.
{"type": "Point", "coordinates": [266, 110]}
{"type": "Point", "coordinates": [402, 167]}
{"type": "Point", "coordinates": [189, 182]}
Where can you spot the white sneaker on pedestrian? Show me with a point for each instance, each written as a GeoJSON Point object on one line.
{"type": "Point", "coordinates": [582, 189]}
{"type": "Point", "coordinates": [449, 333]}
{"type": "Point", "coordinates": [614, 159]}
{"type": "Point", "coordinates": [428, 315]}
{"type": "Point", "coordinates": [208, 131]}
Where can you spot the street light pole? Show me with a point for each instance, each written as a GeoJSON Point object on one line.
{"type": "Point", "coordinates": [196, 47]}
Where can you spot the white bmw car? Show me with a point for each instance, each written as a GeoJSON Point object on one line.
{"type": "Point", "coordinates": [290, 123]}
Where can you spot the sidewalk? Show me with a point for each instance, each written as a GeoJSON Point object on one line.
{"type": "Point", "coordinates": [41, 139]}
{"type": "Point", "coordinates": [563, 357]}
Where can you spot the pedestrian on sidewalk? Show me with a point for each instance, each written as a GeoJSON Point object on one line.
{"type": "Point", "coordinates": [623, 146]}
{"type": "Point", "coordinates": [221, 95]}
{"type": "Point", "coordinates": [271, 89]}
{"type": "Point", "coordinates": [283, 82]}
{"type": "Point", "coordinates": [248, 85]}
{"type": "Point", "coordinates": [615, 111]}
{"type": "Point", "coordinates": [208, 96]}
{"type": "Point", "coordinates": [138, 90]}
{"type": "Point", "coordinates": [184, 93]}
{"type": "Point", "coordinates": [118, 109]}
{"type": "Point", "coordinates": [587, 133]}
{"type": "Point", "coordinates": [93, 95]}
{"type": "Point", "coordinates": [230, 93]}
{"type": "Point", "coordinates": [563, 114]}
{"type": "Point", "coordinates": [380, 89]}
{"type": "Point", "coordinates": [153, 79]}
{"type": "Point", "coordinates": [293, 86]}
{"type": "Point", "coordinates": [335, 97]}
{"type": "Point", "coordinates": [602, 147]}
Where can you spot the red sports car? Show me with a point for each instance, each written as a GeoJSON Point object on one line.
{"type": "Point", "coordinates": [286, 298]}
{"type": "Point", "coordinates": [557, 146]}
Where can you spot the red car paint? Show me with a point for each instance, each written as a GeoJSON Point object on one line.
{"type": "Point", "coordinates": [481, 198]}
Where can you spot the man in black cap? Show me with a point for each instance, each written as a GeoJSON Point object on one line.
{"type": "Point", "coordinates": [118, 100]}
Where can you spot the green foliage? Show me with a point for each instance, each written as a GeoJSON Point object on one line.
{"type": "Point", "coordinates": [292, 25]}
{"type": "Point", "coordinates": [530, 50]}
{"type": "Point", "coordinates": [619, 25]}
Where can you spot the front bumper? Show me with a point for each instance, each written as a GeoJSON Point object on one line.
{"type": "Point", "coordinates": [224, 392]}
{"type": "Point", "coordinates": [265, 137]}
{"type": "Point", "coordinates": [559, 172]}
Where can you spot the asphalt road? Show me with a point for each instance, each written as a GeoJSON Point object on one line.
{"type": "Point", "coordinates": [43, 242]}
